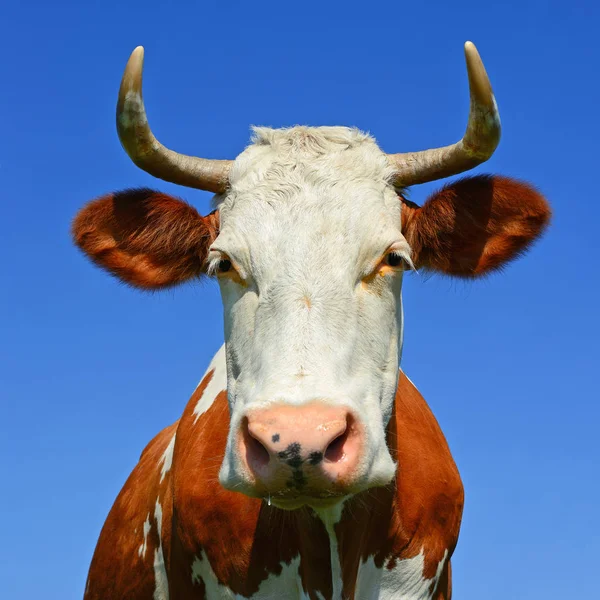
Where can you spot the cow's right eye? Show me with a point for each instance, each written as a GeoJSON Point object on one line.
{"type": "Point", "coordinates": [224, 266]}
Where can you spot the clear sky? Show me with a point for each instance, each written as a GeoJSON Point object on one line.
{"type": "Point", "coordinates": [90, 370]}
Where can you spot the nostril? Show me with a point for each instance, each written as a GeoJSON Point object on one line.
{"type": "Point", "coordinates": [335, 450]}
{"type": "Point", "coordinates": [256, 453]}
{"type": "Point", "coordinates": [339, 446]}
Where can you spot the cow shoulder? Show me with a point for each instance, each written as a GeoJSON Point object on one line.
{"type": "Point", "coordinates": [396, 541]}
{"type": "Point", "coordinates": [429, 490]}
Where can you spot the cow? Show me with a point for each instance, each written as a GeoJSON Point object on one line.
{"type": "Point", "coordinates": [306, 464]}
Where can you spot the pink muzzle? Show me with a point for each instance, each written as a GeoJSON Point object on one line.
{"type": "Point", "coordinates": [311, 450]}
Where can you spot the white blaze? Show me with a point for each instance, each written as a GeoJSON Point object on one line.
{"type": "Point", "coordinates": [309, 214]}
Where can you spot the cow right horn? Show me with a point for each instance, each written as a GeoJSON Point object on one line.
{"type": "Point", "coordinates": [476, 146]}
{"type": "Point", "coordinates": [147, 152]}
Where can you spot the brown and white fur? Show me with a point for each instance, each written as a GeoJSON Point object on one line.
{"type": "Point", "coordinates": [309, 245]}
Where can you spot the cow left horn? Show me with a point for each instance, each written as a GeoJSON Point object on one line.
{"type": "Point", "coordinates": [147, 152]}
{"type": "Point", "coordinates": [476, 146]}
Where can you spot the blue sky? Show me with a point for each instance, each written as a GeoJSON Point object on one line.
{"type": "Point", "coordinates": [90, 370]}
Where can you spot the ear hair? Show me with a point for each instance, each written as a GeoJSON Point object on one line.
{"type": "Point", "coordinates": [475, 225]}
{"type": "Point", "coordinates": [145, 238]}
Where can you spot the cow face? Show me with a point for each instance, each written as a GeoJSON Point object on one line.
{"type": "Point", "coordinates": [310, 258]}
{"type": "Point", "coordinates": [309, 244]}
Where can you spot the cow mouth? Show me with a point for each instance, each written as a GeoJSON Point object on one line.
{"type": "Point", "coordinates": [321, 501]}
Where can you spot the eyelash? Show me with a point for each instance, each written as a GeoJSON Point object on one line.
{"type": "Point", "coordinates": [219, 264]}
{"type": "Point", "coordinates": [394, 259]}
{"type": "Point", "coordinates": [222, 266]}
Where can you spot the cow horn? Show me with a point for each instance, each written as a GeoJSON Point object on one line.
{"type": "Point", "coordinates": [147, 152]}
{"type": "Point", "coordinates": [476, 146]}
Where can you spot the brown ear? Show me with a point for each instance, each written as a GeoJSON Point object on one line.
{"type": "Point", "coordinates": [475, 225]}
{"type": "Point", "coordinates": [145, 238]}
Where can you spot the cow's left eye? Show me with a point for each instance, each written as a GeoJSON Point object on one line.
{"type": "Point", "coordinates": [389, 264]}
{"type": "Point", "coordinates": [393, 259]}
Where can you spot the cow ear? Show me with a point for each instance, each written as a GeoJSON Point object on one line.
{"type": "Point", "coordinates": [145, 238]}
{"type": "Point", "coordinates": [474, 226]}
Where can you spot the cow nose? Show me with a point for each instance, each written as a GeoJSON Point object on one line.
{"type": "Point", "coordinates": [298, 448]}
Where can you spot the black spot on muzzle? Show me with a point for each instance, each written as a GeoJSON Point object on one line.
{"type": "Point", "coordinates": [292, 457]}
{"type": "Point", "coordinates": [314, 458]}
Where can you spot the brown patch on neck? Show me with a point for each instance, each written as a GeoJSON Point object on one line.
{"type": "Point", "coordinates": [421, 509]}
{"type": "Point", "coordinates": [367, 523]}
{"type": "Point", "coordinates": [244, 540]}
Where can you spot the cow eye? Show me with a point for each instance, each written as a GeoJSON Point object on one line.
{"type": "Point", "coordinates": [395, 260]}
{"type": "Point", "coordinates": [224, 266]}
{"type": "Point", "coordinates": [226, 269]}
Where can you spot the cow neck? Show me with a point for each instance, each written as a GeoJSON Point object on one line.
{"type": "Point", "coordinates": [232, 541]}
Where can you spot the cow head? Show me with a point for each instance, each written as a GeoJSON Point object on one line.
{"type": "Point", "coordinates": [309, 242]}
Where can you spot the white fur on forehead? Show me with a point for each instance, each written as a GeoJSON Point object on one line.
{"type": "Point", "coordinates": [318, 155]}
{"type": "Point", "coordinates": [311, 141]}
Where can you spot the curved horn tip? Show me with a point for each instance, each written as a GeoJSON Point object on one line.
{"type": "Point", "coordinates": [472, 56]}
{"type": "Point", "coordinates": [479, 83]}
{"type": "Point", "coordinates": [469, 48]}
{"type": "Point", "coordinates": [132, 76]}
{"type": "Point", "coordinates": [139, 51]}
{"type": "Point", "coordinates": [136, 59]}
